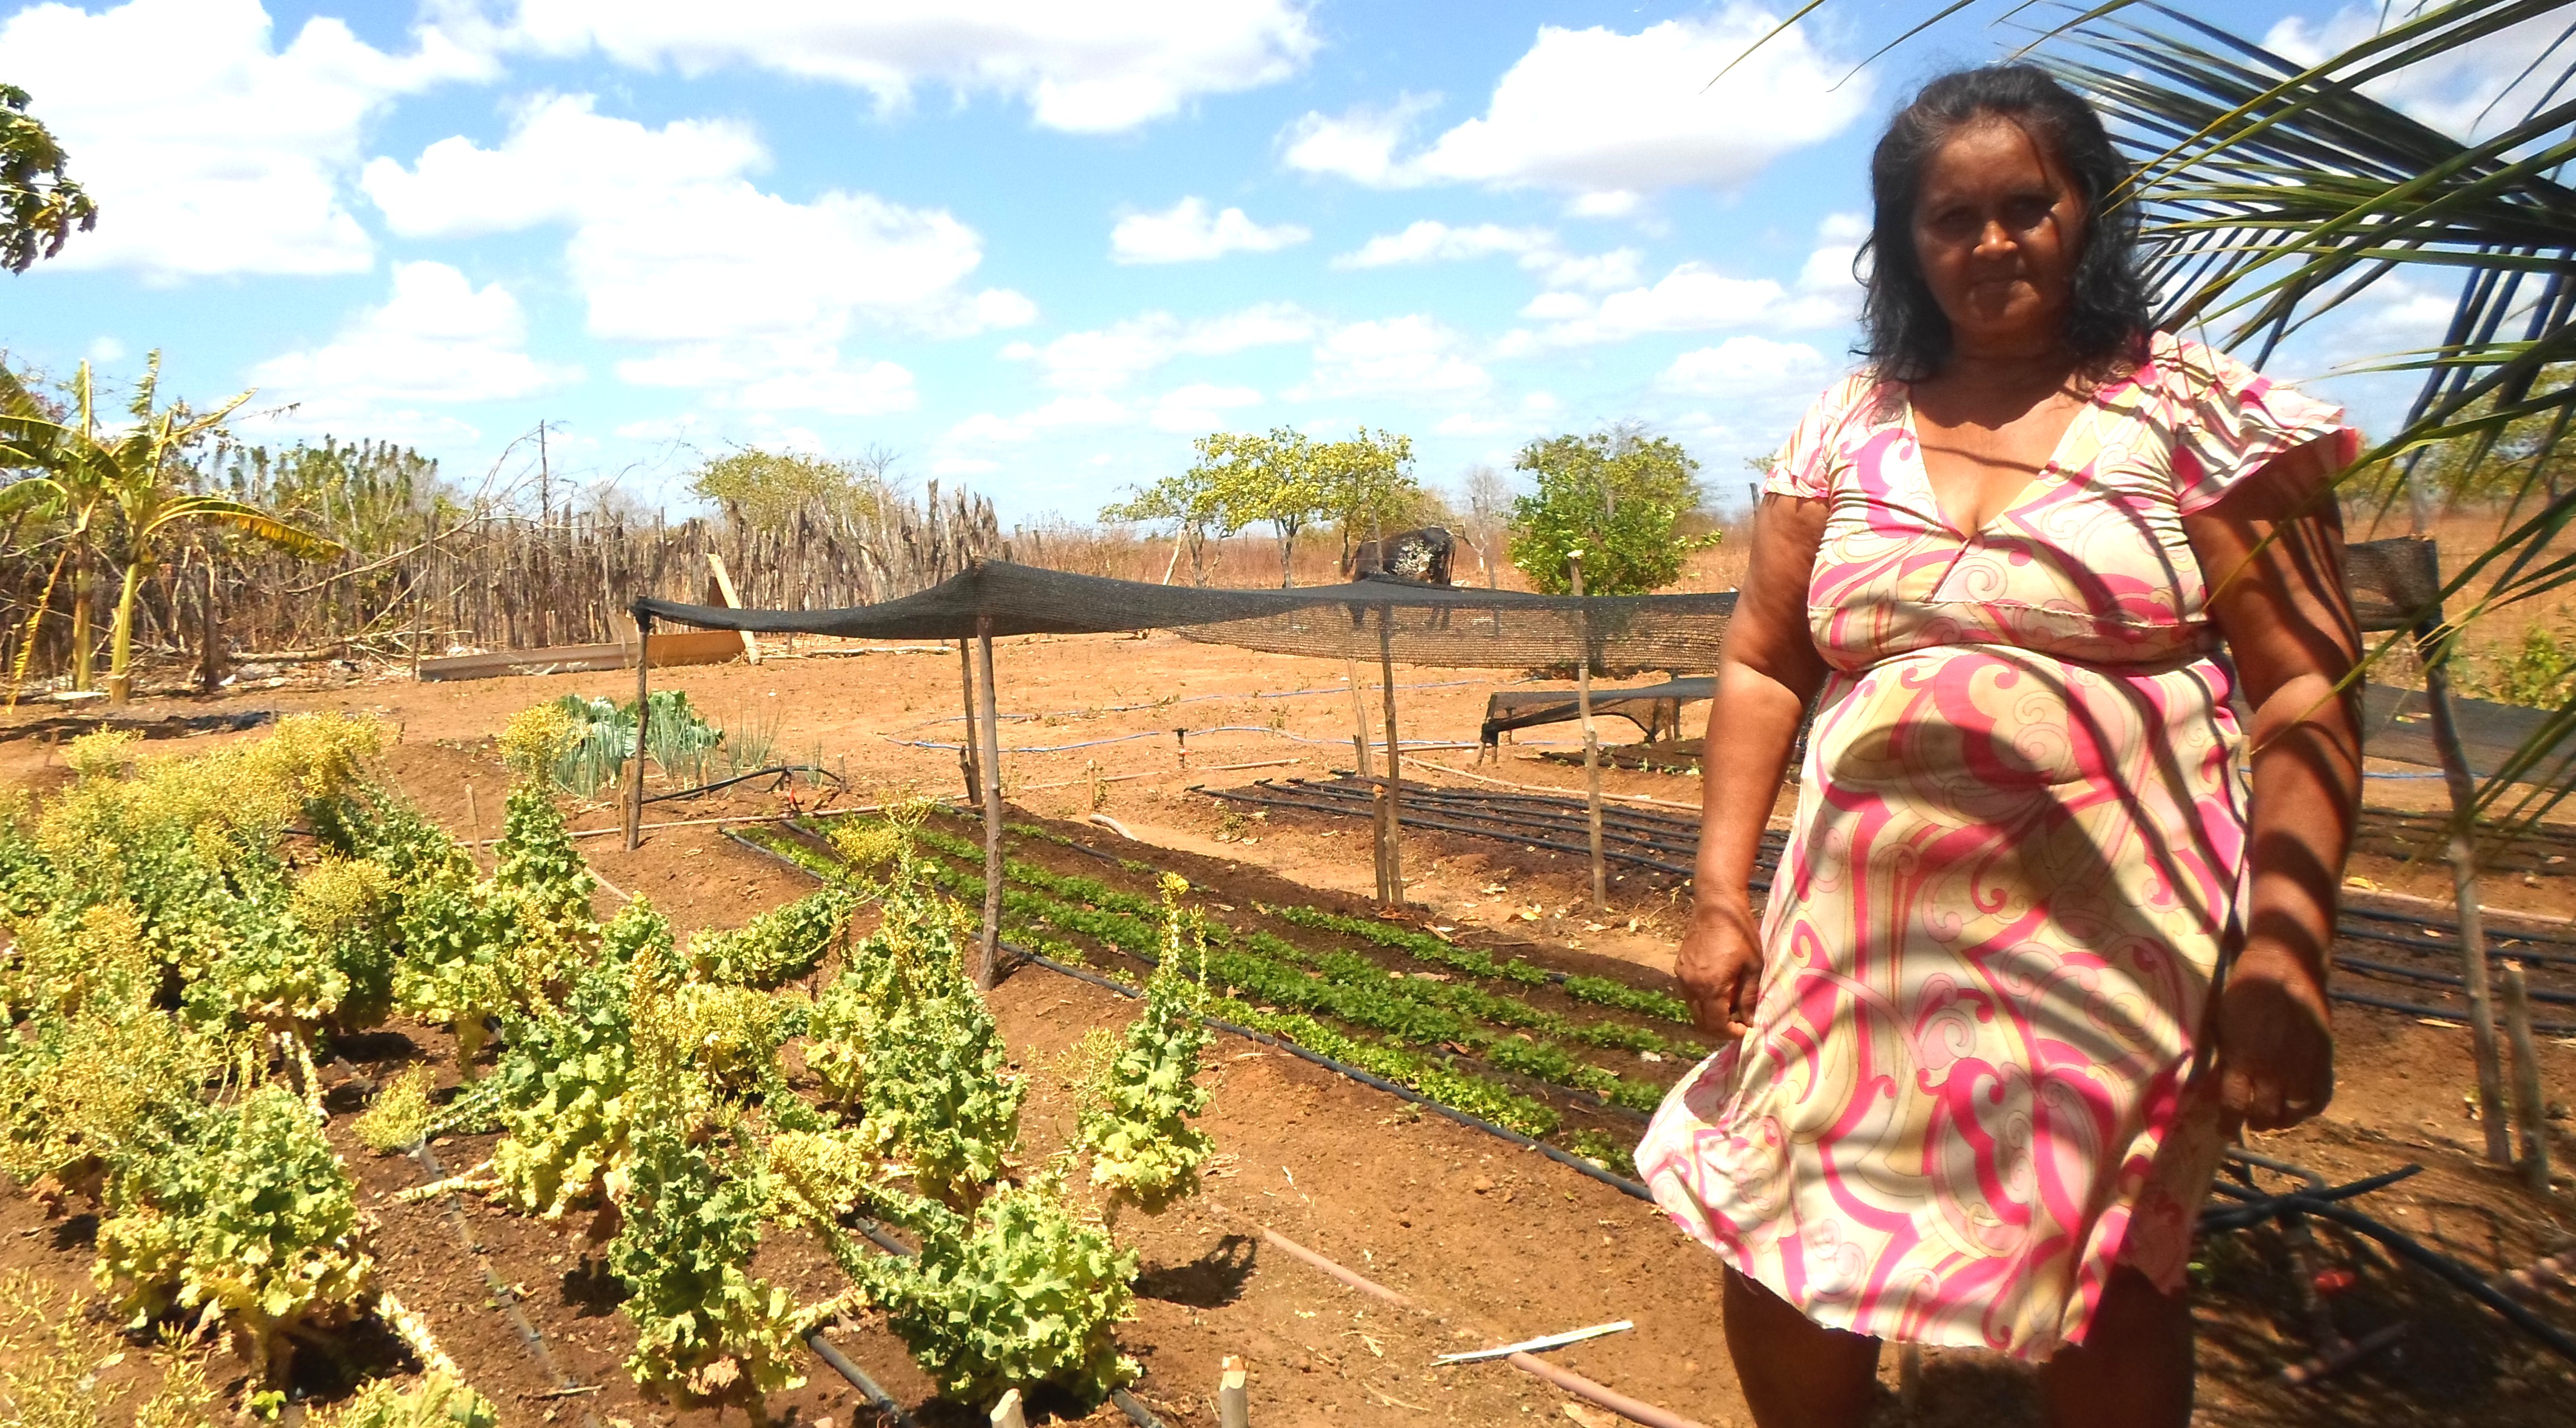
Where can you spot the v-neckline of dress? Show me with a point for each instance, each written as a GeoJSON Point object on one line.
{"type": "Point", "coordinates": [1932, 497]}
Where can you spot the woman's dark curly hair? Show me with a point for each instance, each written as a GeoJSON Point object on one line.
{"type": "Point", "coordinates": [1908, 336]}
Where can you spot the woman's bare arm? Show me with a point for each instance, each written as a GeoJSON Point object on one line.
{"type": "Point", "coordinates": [1766, 673]}
{"type": "Point", "coordinates": [2272, 553]}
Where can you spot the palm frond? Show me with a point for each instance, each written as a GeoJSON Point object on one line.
{"type": "Point", "coordinates": [250, 520]}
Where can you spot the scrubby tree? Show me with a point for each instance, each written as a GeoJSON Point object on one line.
{"type": "Point", "coordinates": [1368, 484]}
{"type": "Point", "coordinates": [767, 489]}
{"type": "Point", "coordinates": [1275, 477]}
{"type": "Point", "coordinates": [1619, 497]}
{"type": "Point", "coordinates": [1189, 500]}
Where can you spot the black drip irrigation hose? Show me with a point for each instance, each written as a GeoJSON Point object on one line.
{"type": "Point", "coordinates": [1412, 819]}
{"type": "Point", "coordinates": [882, 1401]}
{"type": "Point", "coordinates": [1615, 1181]}
{"type": "Point", "coordinates": [2447, 979]}
{"type": "Point", "coordinates": [817, 770]}
{"type": "Point", "coordinates": [2451, 1014]}
{"type": "Point", "coordinates": [2325, 1204]}
{"type": "Point", "coordinates": [502, 1294]}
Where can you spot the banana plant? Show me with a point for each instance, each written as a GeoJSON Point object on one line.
{"type": "Point", "coordinates": [143, 480]}
{"type": "Point", "coordinates": [88, 472]}
{"type": "Point", "coordinates": [67, 486]}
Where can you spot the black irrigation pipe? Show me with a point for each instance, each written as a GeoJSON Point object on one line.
{"type": "Point", "coordinates": [2324, 1204]}
{"type": "Point", "coordinates": [1412, 820]}
{"type": "Point", "coordinates": [815, 769]}
{"type": "Point", "coordinates": [2447, 979]}
{"type": "Point", "coordinates": [502, 1294]}
{"type": "Point", "coordinates": [2452, 949]}
{"type": "Point", "coordinates": [882, 1401]}
{"type": "Point", "coordinates": [1615, 1181]}
{"type": "Point", "coordinates": [2458, 1275]}
{"type": "Point", "coordinates": [1536, 812]}
{"type": "Point", "coordinates": [2447, 923]}
{"type": "Point", "coordinates": [2259, 1207]}
{"type": "Point", "coordinates": [2545, 1028]}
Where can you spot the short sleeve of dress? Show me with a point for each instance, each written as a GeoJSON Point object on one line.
{"type": "Point", "coordinates": [2229, 420]}
{"type": "Point", "coordinates": [1805, 464]}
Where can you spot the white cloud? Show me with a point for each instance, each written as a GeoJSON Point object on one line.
{"type": "Point", "coordinates": [1360, 144]}
{"type": "Point", "coordinates": [1187, 233]}
{"type": "Point", "coordinates": [1429, 240]}
{"type": "Point", "coordinates": [1607, 117]}
{"type": "Point", "coordinates": [104, 349]}
{"type": "Point", "coordinates": [1691, 298]}
{"type": "Point", "coordinates": [209, 149]}
{"type": "Point", "coordinates": [1108, 358]}
{"type": "Point", "coordinates": [1740, 363]}
{"type": "Point", "coordinates": [1201, 406]}
{"type": "Point", "coordinates": [1073, 410]}
{"type": "Point", "coordinates": [437, 340]}
{"type": "Point", "coordinates": [1086, 68]}
{"type": "Point", "coordinates": [1415, 355]}
{"type": "Point", "coordinates": [963, 466]}
{"type": "Point", "coordinates": [745, 294]}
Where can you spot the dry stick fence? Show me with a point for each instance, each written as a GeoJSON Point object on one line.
{"type": "Point", "coordinates": [506, 582]}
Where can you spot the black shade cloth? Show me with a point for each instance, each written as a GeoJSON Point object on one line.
{"type": "Point", "coordinates": [1414, 623]}
{"type": "Point", "coordinates": [1655, 708]}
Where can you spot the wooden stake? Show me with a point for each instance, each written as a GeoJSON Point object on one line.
{"type": "Point", "coordinates": [2464, 887]}
{"type": "Point", "coordinates": [210, 652]}
{"type": "Point", "coordinates": [1366, 768]}
{"type": "Point", "coordinates": [2529, 1110]}
{"type": "Point", "coordinates": [724, 585]}
{"type": "Point", "coordinates": [643, 718]}
{"type": "Point", "coordinates": [988, 967]}
{"type": "Point", "coordinates": [966, 751]}
{"type": "Point", "coordinates": [474, 822]}
{"type": "Point", "coordinates": [1233, 1395]}
{"type": "Point", "coordinates": [1392, 810]}
{"type": "Point", "coordinates": [1591, 737]}
{"type": "Point", "coordinates": [1008, 1413]}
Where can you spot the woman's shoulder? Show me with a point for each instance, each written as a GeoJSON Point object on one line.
{"type": "Point", "coordinates": [2189, 373]}
{"type": "Point", "coordinates": [1856, 397]}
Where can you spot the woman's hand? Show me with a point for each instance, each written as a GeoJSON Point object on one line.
{"type": "Point", "coordinates": [2275, 1048]}
{"type": "Point", "coordinates": [1720, 967]}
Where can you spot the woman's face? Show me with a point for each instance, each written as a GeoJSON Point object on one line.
{"type": "Point", "coordinates": [1998, 225]}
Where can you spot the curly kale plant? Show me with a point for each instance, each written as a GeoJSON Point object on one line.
{"type": "Point", "coordinates": [243, 1217]}
{"type": "Point", "coordinates": [1136, 1115]}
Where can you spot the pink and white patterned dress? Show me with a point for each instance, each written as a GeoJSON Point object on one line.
{"type": "Point", "coordinates": [1966, 1094]}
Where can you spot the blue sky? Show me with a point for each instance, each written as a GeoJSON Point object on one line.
{"type": "Point", "coordinates": [1032, 247]}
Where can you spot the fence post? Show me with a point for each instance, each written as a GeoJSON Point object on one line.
{"type": "Point", "coordinates": [1591, 739]}
{"type": "Point", "coordinates": [974, 734]}
{"type": "Point", "coordinates": [643, 718]}
{"type": "Point", "coordinates": [988, 965]}
{"type": "Point", "coordinates": [1393, 808]}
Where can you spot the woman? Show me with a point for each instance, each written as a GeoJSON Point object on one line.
{"type": "Point", "coordinates": [1981, 1080]}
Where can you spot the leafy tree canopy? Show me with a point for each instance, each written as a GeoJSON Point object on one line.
{"type": "Point", "coordinates": [39, 207]}
{"type": "Point", "coordinates": [770, 488]}
{"type": "Point", "coordinates": [1618, 497]}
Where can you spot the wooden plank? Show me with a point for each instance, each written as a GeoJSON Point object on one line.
{"type": "Point", "coordinates": [724, 586]}
{"type": "Point", "coordinates": [677, 647]}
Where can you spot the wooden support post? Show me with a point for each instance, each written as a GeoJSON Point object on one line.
{"type": "Point", "coordinates": [724, 584]}
{"type": "Point", "coordinates": [1392, 810]}
{"type": "Point", "coordinates": [989, 951]}
{"type": "Point", "coordinates": [643, 719]}
{"type": "Point", "coordinates": [2464, 890]}
{"type": "Point", "coordinates": [1591, 736]}
{"type": "Point", "coordinates": [2529, 1110]}
{"type": "Point", "coordinates": [474, 826]}
{"type": "Point", "coordinates": [966, 755]}
{"type": "Point", "coordinates": [1233, 1395]}
{"type": "Point", "coordinates": [210, 650]}
{"type": "Point", "coordinates": [1366, 768]}
{"type": "Point", "coordinates": [1008, 1413]}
